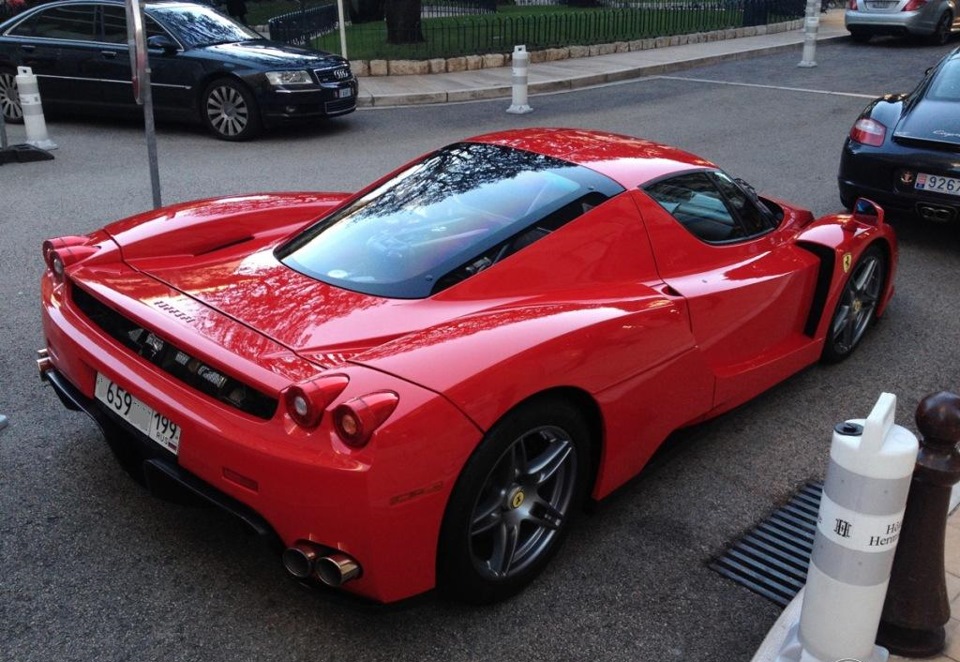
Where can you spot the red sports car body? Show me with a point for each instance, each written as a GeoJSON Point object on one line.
{"type": "Point", "coordinates": [413, 386]}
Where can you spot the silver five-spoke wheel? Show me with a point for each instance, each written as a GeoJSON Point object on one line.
{"type": "Point", "coordinates": [858, 304]}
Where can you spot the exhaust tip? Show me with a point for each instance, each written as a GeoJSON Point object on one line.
{"type": "Point", "coordinates": [336, 569]}
{"type": "Point", "coordinates": [44, 363]}
{"type": "Point", "coordinates": [300, 559]}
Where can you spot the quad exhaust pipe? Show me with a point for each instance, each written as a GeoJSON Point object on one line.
{"type": "Point", "coordinates": [305, 560]}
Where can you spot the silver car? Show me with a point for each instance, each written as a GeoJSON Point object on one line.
{"type": "Point", "coordinates": [934, 19]}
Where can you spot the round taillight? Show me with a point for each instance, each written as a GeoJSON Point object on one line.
{"type": "Point", "coordinates": [307, 401]}
{"type": "Point", "coordinates": [56, 265]}
{"type": "Point", "coordinates": [356, 420]}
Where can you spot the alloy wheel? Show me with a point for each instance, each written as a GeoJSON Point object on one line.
{"type": "Point", "coordinates": [858, 303]}
{"type": "Point", "coordinates": [227, 111]}
{"type": "Point", "coordinates": [10, 98]}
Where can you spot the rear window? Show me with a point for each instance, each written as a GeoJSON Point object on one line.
{"type": "Point", "coordinates": [453, 214]}
{"type": "Point", "coordinates": [946, 86]}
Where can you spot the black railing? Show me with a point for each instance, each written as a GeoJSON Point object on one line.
{"type": "Point", "coordinates": [301, 26]}
{"type": "Point", "coordinates": [451, 35]}
{"type": "Point", "coordinates": [457, 8]}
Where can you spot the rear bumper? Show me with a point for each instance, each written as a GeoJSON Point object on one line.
{"type": "Point", "coordinates": [890, 23]}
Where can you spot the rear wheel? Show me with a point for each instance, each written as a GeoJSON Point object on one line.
{"type": "Point", "coordinates": [9, 98]}
{"type": "Point", "coordinates": [857, 308]}
{"type": "Point", "coordinates": [941, 34]}
{"type": "Point", "coordinates": [511, 507]}
{"type": "Point", "coordinates": [230, 111]}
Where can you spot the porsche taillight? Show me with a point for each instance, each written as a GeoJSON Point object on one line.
{"type": "Point", "coordinates": [306, 402]}
{"type": "Point", "coordinates": [356, 420]}
{"type": "Point", "coordinates": [868, 132]}
{"type": "Point", "coordinates": [60, 253]}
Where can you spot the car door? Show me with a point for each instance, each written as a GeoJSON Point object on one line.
{"type": "Point", "coordinates": [749, 287]}
{"type": "Point", "coordinates": [173, 76]}
{"type": "Point", "coordinates": [57, 44]}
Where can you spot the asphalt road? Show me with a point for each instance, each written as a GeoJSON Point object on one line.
{"type": "Point", "coordinates": [95, 569]}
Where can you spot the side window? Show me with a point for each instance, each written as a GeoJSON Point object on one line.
{"type": "Point", "coordinates": [115, 25]}
{"type": "Point", "coordinates": [69, 22]}
{"type": "Point", "coordinates": [698, 205]}
{"type": "Point", "coordinates": [751, 216]}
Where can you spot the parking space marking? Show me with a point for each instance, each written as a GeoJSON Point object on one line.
{"type": "Point", "coordinates": [770, 87]}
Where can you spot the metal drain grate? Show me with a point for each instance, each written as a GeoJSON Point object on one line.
{"type": "Point", "coordinates": [772, 559]}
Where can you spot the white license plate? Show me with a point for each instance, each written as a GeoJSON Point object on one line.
{"type": "Point", "coordinates": [344, 93]}
{"type": "Point", "coordinates": [128, 407]}
{"type": "Point", "coordinates": [948, 185]}
{"type": "Point", "coordinates": [882, 4]}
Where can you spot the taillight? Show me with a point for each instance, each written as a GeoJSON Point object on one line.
{"type": "Point", "coordinates": [852, 5]}
{"type": "Point", "coordinates": [355, 420]}
{"type": "Point", "coordinates": [307, 401]}
{"type": "Point", "coordinates": [914, 5]}
{"type": "Point", "coordinates": [868, 132]}
{"type": "Point", "coordinates": [60, 253]}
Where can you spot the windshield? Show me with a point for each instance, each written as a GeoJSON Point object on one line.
{"type": "Point", "coordinates": [451, 215]}
{"type": "Point", "coordinates": [199, 25]}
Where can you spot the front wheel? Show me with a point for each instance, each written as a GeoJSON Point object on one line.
{"type": "Point", "coordinates": [229, 110]}
{"type": "Point", "coordinates": [857, 307]}
{"type": "Point", "coordinates": [10, 98]}
{"type": "Point", "coordinates": [511, 507]}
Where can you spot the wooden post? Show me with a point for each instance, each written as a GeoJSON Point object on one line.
{"type": "Point", "coordinates": [916, 606]}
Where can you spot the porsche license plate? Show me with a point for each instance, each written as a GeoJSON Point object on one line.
{"type": "Point", "coordinates": [128, 407]}
{"type": "Point", "coordinates": [948, 185]}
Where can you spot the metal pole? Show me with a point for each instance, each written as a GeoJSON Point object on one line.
{"type": "Point", "coordinates": [343, 30]}
{"type": "Point", "coordinates": [151, 132]}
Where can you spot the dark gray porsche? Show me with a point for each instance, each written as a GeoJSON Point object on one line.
{"type": "Point", "coordinates": [903, 151]}
{"type": "Point", "coordinates": [205, 67]}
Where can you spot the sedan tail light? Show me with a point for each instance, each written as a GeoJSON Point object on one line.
{"type": "Point", "coordinates": [356, 419]}
{"type": "Point", "coordinates": [914, 5]}
{"type": "Point", "coordinates": [307, 401]}
{"type": "Point", "coordinates": [852, 5]}
{"type": "Point", "coordinates": [868, 132]}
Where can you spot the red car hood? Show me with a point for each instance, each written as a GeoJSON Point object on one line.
{"type": "Point", "coordinates": [318, 321]}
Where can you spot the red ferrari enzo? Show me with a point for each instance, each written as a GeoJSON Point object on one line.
{"type": "Point", "coordinates": [416, 385]}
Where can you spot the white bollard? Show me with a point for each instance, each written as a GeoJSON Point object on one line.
{"type": "Point", "coordinates": [29, 93]}
{"type": "Point", "coordinates": [521, 60]}
{"type": "Point", "coordinates": [811, 25]}
{"type": "Point", "coordinates": [861, 512]}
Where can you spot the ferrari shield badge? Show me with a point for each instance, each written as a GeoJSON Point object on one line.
{"type": "Point", "coordinates": [847, 261]}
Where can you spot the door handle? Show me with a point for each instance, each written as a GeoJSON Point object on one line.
{"type": "Point", "coordinates": [29, 48]}
{"type": "Point", "coordinates": [109, 54]}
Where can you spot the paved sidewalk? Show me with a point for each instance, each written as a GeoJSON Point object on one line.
{"type": "Point", "coordinates": [576, 73]}
{"type": "Point", "coordinates": [772, 645]}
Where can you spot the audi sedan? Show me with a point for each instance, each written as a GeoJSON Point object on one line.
{"type": "Point", "coordinates": [205, 67]}
{"type": "Point", "coordinates": [902, 149]}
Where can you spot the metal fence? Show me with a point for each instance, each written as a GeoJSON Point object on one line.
{"type": "Point", "coordinates": [499, 32]}
{"type": "Point", "coordinates": [439, 8]}
{"type": "Point", "coordinates": [304, 24]}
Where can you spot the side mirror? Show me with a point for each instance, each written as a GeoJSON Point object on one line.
{"type": "Point", "coordinates": [161, 42]}
{"type": "Point", "coordinates": [867, 211]}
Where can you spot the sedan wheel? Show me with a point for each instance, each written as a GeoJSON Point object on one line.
{"type": "Point", "coordinates": [511, 506]}
{"type": "Point", "coordinates": [857, 307]}
{"type": "Point", "coordinates": [229, 110]}
{"type": "Point", "coordinates": [9, 98]}
{"type": "Point", "coordinates": [941, 34]}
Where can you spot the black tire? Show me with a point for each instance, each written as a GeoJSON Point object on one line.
{"type": "Point", "coordinates": [860, 36]}
{"type": "Point", "coordinates": [941, 34]}
{"type": "Point", "coordinates": [229, 110]}
{"type": "Point", "coordinates": [9, 98]}
{"type": "Point", "coordinates": [512, 505]}
{"type": "Point", "coordinates": [857, 308]}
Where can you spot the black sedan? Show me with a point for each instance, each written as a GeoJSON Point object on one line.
{"type": "Point", "coordinates": [904, 149]}
{"type": "Point", "coordinates": [205, 67]}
